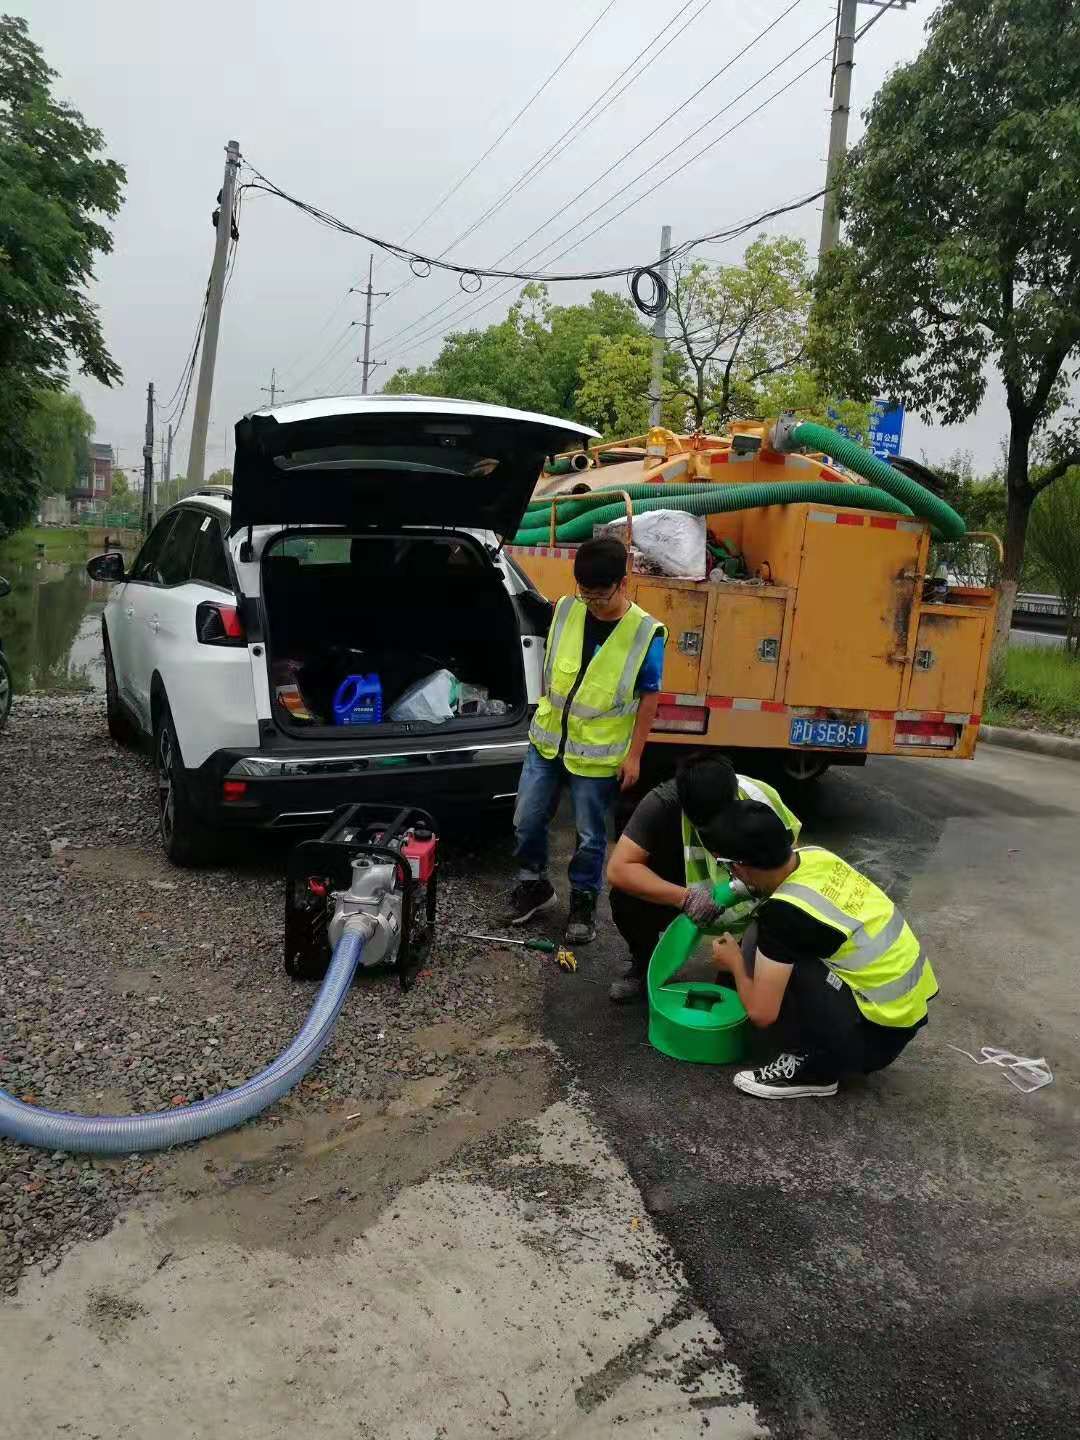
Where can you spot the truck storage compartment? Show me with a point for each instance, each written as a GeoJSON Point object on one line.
{"type": "Point", "coordinates": [951, 646]}
{"type": "Point", "coordinates": [400, 607]}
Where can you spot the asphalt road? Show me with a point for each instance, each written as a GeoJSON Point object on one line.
{"type": "Point", "coordinates": [903, 1260]}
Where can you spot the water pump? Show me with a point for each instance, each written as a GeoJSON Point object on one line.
{"type": "Point", "coordinates": [376, 861]}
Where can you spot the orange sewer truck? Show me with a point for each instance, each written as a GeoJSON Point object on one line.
{"type": "Point", "coordinates": [821, 635]}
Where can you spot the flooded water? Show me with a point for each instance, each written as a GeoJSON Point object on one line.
{"type": "Point", "coordinates": [50, 624]}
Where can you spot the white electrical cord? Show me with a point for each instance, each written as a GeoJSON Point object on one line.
{"type": "Point", "coordinates": [1026, 1075]}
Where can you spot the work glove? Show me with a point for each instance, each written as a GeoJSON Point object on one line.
{"type": "Point", "coordinates": [699, 904]}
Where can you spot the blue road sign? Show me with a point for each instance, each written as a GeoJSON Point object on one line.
{"type": "Point", "coordinates": [886, 429]}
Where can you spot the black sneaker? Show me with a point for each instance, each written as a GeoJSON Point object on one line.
{"type": "Point", "coordinates": [528, 898]}
{"type": "Point", "coordinates": [581, 924]}
{"type": "Point", "coordinates": [786, 1078]}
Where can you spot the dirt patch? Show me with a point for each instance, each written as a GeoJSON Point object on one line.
{"type": "Point", "coordinates": [109, 1314]}
{"type": "Point", "coordinates": [312, 1184]}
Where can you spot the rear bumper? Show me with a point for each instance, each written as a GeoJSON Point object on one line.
{"type": "Point", "coordinates": [303, 786]}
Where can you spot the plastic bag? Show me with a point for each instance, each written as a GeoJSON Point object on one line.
{"type": "Point", "coordinates": [671, 539]}
{"type": "Point", "coordinates": [429, 701]}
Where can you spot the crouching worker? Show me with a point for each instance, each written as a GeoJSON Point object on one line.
{"type": "Point", "coordinates": [664, 860]}
{"type": "Point", "coordinates": [829, 955]}
{"type": "Point", "coordinates": [602, 673]}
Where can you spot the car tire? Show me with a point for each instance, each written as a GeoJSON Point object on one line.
{"type": "Point", "coordinates": [120, 727]}
{"type": "Point", "coordinates": [186, 840]}
{"type": "Point", "coordinates": [803, 769]}
{"type": "Point", "coordinates": [7, 690]}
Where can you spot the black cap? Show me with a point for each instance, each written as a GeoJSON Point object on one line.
{"type": "Point", "coordinates": [749, 833]}
{"type": "Point", "coordinates": [705, 788]}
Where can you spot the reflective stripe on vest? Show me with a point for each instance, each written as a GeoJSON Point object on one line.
{"type": "Point", "coordinates": [599, 719]}
{"type": "Point", "coordinates": [880, 958]}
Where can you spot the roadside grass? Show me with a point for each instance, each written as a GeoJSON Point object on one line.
{"type": "Point", "coordinates": [1038, 686]}
{"type": "Point", "coordinates": [61, 544]}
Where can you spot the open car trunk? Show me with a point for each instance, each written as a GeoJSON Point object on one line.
{"type": "Point", "coordinates": [401, 607]}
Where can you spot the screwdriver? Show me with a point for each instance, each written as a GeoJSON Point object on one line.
{"type": "Point", "coordinates": [565, 958]}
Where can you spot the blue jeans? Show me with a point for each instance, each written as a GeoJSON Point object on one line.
{"type": "Point", "coordinates": [538, 794]}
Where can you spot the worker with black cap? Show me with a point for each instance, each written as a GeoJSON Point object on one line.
{"type": "Point", "coordinates": [829, 955]}
{"type": "Point", "coordinates": [663, 863]}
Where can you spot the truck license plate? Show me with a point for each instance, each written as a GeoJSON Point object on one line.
{"type": "Point", "coordinates": [830, 734]}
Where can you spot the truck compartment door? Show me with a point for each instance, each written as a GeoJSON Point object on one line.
{"type": "Point", "coordinates": [683, 613]}
{"type": "Point", "coordinates": [946, 672]}
{"type": "Point", "coordinates": [747, 632]}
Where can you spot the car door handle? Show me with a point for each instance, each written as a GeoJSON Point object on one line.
{"type": "Point", "coordinates": [155, 624]}
{"type": "Point", "coordinates": [130, 612]}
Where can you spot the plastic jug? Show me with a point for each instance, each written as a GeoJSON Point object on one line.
{"type": "Point", "coordinates": [358, 700]}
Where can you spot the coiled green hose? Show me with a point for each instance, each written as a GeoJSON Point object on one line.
{"type": "Point", "coordinates": [538, 511]}
{"type": "Point", "coordinates": [946, 523]}
{"type": "Point", "coordinates": [720, 499]}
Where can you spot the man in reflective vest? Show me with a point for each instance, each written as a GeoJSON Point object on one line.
{"type": "Point", "coordinates": [602, 672]}
{"type": "Point", "coordinates": [830, 956]}
{"type": "Point", "coordinates": [663, 861]}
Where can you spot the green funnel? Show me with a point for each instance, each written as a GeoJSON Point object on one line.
{"type": "Point", "coordinates": [693, 1019]}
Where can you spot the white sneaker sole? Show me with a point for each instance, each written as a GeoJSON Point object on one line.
{"type": "Point", "coordinates": [544, 905]}
{"type": "Point", "coordinates": [744, 1081]}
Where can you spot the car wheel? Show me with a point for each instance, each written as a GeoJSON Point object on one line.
{"type": "Point", "coordinates": [6, 690]}
{"type": "Point", "coordinates": [184, 838]}
{"type": "Point", "coordinates": [120, 727]}
{"type": "Point", "coordinates": [803, 768]}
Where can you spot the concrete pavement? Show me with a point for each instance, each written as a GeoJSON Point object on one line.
{"type": "Point", "coordinates": [903, 1260]}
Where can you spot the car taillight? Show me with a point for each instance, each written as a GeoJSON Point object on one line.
{"type": "Point", "coordinates": [217, 624]}
{"type": "Point", "coordinates": [937, 733]}
{"type": "Point", "coordinates": [689, 719]}
{"type": "Point", "coordinates": [233, 789]}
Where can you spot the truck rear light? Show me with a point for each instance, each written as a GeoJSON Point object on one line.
{"type": "Point", "coordinates": [937, 733]}
{"type": "Point", "coordinates": [233, 789]}
{"type": "Point", "coordinates": [217, 624]}
{"type": "Point", "coordinates": [685, 719]}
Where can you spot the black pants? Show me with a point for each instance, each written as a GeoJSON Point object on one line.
{"type": "Point", "coordinates": [816, 1018]}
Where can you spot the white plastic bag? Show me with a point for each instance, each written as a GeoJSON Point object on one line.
{"type": "Point", "coordinates": [428, 701]}
{"type": "Point", "coordinates": [671, 539]}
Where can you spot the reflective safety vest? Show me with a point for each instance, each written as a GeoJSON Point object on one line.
{"type": "Point", "coordinates": [700, 864]}
{"type": "Point", "coordinates": [880, 960]}
{"type": "Point", "coordinates": [598, 714]}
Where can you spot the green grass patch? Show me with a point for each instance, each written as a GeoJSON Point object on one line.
{"type": "Point", "coordinates": [1040, 681]}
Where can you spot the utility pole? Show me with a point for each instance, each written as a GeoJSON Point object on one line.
{"type": "Point", "coordinates": [223, 221]}
{"type": "Point", "coordinates": [659, 331]}
{"type": "Point", "coordinates": [148, 463]}
{"type": "Point", "coordinates": [366, 362]}
{"type": "Point", "coordinates": [273, 388]}
{"type": "Point", "coordinates": [167, 476]}
{"type": "Point", "coordinates": [840, 90]}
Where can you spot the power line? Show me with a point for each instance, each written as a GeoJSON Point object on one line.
{"type": "Point", "coordinates": [682, 249]}
{"type": "Point", "coordinates": [506, 130]}
{"type": "Point", "coordinates": [574, 130]}
{"type": "Point", "coordinates": [587, 189]}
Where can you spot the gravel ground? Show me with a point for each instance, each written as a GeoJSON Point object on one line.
{"type": "Point", "coordinates": [127, 985]}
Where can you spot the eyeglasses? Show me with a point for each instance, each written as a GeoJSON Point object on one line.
{"type": "Point", "coordinates": [597, 597]}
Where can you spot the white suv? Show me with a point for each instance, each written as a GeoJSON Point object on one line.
{"type": "Point", "coordinates": [359, 538]}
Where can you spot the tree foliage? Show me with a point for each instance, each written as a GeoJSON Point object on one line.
{"type": "Point", "coordinates": [55, 192]}
{"type": "Point", "coordinates": [1054, 537]}
{"type": "Point", "coordinates": [220, 477]}
{"type": "Point", "coordinates": [962, 246]}
{"type": "Point", "coordinates": [60, 428]}
{"type": "Point", "coordinates": [614, 375]}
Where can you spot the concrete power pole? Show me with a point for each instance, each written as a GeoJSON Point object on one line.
{"type": "Point", "coordinates": [148, 464]}
{"type": "Point", "coordinates": [366, 362]}
{"type": "Point", "coordinates": [224, 220]}
{"type": "Point", "coordinates": [273, 388]}
{"type": "Point", "coordinates": [659, 334]}
{"type": "Point", "coordinates": [167, 477]}
{"type": "Point", "coordinates": [840, 89]}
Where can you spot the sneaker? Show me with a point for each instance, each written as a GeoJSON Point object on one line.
{"type": "Point", "coordinates": [581, 924]}
{"type": "Point", "coordinates": [528, 898]}
{"type": "Point", "coordinates": [626, 990]}
{"type": "Point", "coordinates": [787, 1078]}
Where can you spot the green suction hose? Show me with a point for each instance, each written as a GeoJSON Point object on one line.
{"type": "Point", "coordinates": [570, 506]}
{"type": "Point", "coordinates": [946, 522]}
{"type": "Point", "coordinates": [720, 499]}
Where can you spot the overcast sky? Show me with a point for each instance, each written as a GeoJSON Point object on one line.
{"type": "Point", "coordinates": [374, 112]}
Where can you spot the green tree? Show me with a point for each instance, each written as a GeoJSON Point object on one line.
{"type": "Point", "coordinates": [962, 247]}
{"type": "Point", "coordinates": [1054, 537]}
{"type": "Point", "coordinates": [529, 360]}
{"type": "Point", "coordinates": [742, 330]}
{"type": "Point", "coordinates": [220, 477]}
{"type": "Point", "coordinates": [59, 430]}
{"type": "Point", "coordinates": [121, 490]}
{"type": "Point", "coordinates": [55, 191]}
{"type": "Point", "coordinates": [613, 386]}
